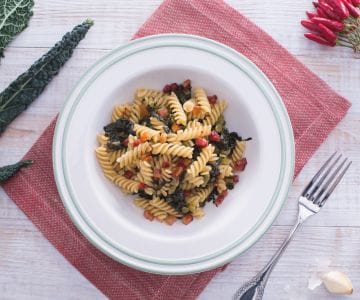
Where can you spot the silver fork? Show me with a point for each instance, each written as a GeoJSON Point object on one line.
{"type": "Point", "coordinates": [314, 196]}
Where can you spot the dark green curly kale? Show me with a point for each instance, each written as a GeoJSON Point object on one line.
{"type": "Point", "coordinates": [29, 85]}
{"type": "Point", "coordinates": [14, 18]}
{"type": "Point", "coordinates": [8, 171]}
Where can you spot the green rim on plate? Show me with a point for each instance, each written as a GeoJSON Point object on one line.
{"type": "Point", "coordinates": [172, 40]}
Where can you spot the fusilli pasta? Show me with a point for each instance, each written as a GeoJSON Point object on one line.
{"type": "Point", "coordinates": [173, 150]}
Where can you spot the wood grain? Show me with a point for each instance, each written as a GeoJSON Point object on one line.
{"type": "Point", "coordinates": [32, 269]}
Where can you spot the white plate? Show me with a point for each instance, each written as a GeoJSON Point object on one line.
{"type": "Point", "coordinates": [110, 220]}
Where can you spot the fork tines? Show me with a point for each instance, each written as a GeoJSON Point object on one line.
{"type": "Point", "coordinates": [326, 179]}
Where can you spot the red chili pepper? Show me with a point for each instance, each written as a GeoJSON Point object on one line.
{"type": "Point", "coordinates": [321, 13]}
{"type": "Point", "coordinates": [308, 24]}
{"type": "Point", "coordinates": [327, 33]}
{"type": "Point", "coordinates": [327, 9]}
{"type": "Point", "coordinates": [354, 11]}
{"type": "Point", "coordinates": [311, 14]}
{"type": "Point", "coordinates": [319, 39]}
{"type": "Point", "coordinates": [333, 25]}
{"type": "Point", "coordinates": [356, 3]}
{"type": "Point", "coordinates": [339, 8]}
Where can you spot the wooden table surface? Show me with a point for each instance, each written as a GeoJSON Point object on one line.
{"type": "Point", "coordinates": [30, 268]}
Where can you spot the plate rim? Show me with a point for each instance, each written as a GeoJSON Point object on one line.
{"type": "Point", "coordinates": [63, 118]}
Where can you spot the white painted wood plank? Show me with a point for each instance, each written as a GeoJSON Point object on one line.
{"type": "Point", "coordinates": [32, 269]}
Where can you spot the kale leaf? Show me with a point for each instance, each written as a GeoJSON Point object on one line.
{"type": "Point", "coordinates": [14, 18]}
{"type": "Point", "coordinates": [29, 85]}
{"type": "Point", "coordinates": [10, 170]}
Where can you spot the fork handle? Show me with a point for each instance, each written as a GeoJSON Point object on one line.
{"type": "Point", "coordinates": [254, 288]}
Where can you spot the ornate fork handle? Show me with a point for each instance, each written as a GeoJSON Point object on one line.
{"type": "Point", "coordinates": [254, 288]}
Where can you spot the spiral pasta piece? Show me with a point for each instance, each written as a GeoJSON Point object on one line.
{"type": "Point", "coordinates": [150, 97]}
{"type": "Point", "coordinates": [102, 139]}
{"type": "Point", "coordinates": [198, 213]}
{"type": "Point", "coordinates": [220, 185]}
{"type": "Point", "coordinates": [195, 168]}
{"type": "Point", "coordinates": [163, 205]}
{"type": "Point", "coordinates": [172, 149]}
{"type": "Point", "coordinates": [225, 171]}
{"type": "Point", "coordinates": [201, 194]}
{"type": "Point", "coordinates": [157, 124]}
{"type": "Point", "coordinates": [143, 203]}
{"type": "Point", "coordinates": [141, 130]}
{"type": "Point", "coordinates": [192, 133]}
{"type": "Point", "coordinates": [133, 155]}
{"type": "Point", "coordinates": [104, 161]}
{"type": "Point", "coordinates": [135, 113]}
{"type": "Point", "coordinates": [127, 185]}
{"type": "Point", "coordinates": [168, 188]}
{"type": "Point", "coordinates": [238, 151]}
{"type": "Point", "coordinates": [202, 100]}
{"type": "Point", "coordinates": [216, 111]}
{"type": "Point", "coordinates": [176, 109]}
{"type": "Point", "coordinates": [188, 106]}
{"type": "Point", "coordinates": [120, 111]}
{"type": "Point", "coordinates": [146, 172]}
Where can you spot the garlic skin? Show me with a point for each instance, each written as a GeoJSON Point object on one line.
{"type": "Point", "coordinates": [337, 283]}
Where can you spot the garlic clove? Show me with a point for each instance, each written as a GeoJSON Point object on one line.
{"type": "Point", "coordinates": [337, 283]}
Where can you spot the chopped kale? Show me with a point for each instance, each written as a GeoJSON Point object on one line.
{"type": "Point", "coordinates": [230, 185]}
{"type": "Point", "coordinates": [212, 196]}
{"type": "Point", "coordinates": [196, 153]}
{"type": "Point", "coordinates": [183, 94]}
{"type": "Point", "coordinates": [117, 132]}
{"type": "Point", "coordinates": [176, 199]}
{"type": "Point", "coordinates": [214, 173]}
{"type": "Point", "coordinates": [144, 195]}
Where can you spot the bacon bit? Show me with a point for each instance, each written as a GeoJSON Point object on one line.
{"type": "Point", "coordinates": [235, 178]}
{"type": "Point", "coordinates": [136, 143]}
{"type": "Point", "coordinates": [125, 142]}
{"type": "Point", "coordinates": [165, 164]}
{"type": "Point", "coordinates": [162, 138]}
{"type": "Point", "coordinates": [187, 219]}
{"type": "Point", "coordinates": [177, 171]}
{"type": "Point", "coordinates": [175, 127]}
{"type": "Point", "coordinates": [142, 186]}
{"type": "Point", "coordinates": [157, 173]}
{"type": "Point", "coordinates": [240, 164]}
{"type": "Point", "coordinates": [212, 99]}
{"type": "Point", "coordinates": [187, 84]}
{"type": "Point", "coordinates": [174, 86]}
{"type": "Point", "coordinates": [170, 220]}
{"type": "Point", "coordinates": [214, 136]}
{"type": "Point", "coordinates": [220, 198]}
{"type": "Point", "coordinates": [128, 174]}
{"type": "Point", "coordinates": [167, 89]}
{"type": "Point", "coordinates": [197, 110]}
{"type": "Point", "coordinates": [148, 215]}
{"type": "Point", "coordinates": [187, 193]}
{"type": "Point", "coordinates": [183, 163]}
{"type": "Point", "coordinates": [144, 136]}
{"type": "Point", "coordinates": [163, 112]}
{"type": "Point", "coordinates": [201, 143]}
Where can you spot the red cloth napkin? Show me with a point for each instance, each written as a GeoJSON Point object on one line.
{"type": "Point", "coordinates": [313, 107]}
